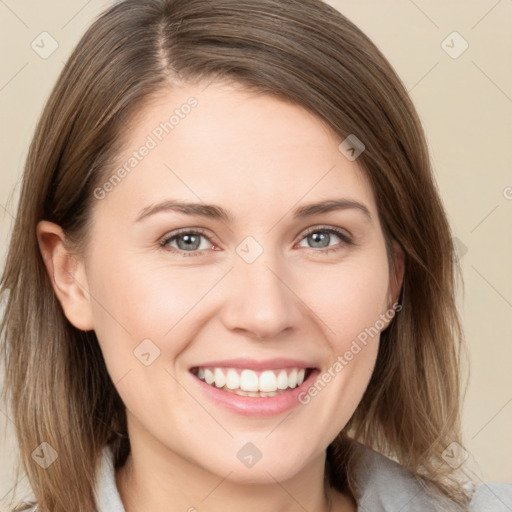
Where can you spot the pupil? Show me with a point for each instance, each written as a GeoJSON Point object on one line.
{"type": "Point", "coordinates": [321, 239]}
{"type": "Point", "coordinates": [190, 242]}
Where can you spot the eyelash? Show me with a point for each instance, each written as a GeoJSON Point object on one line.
{"type": "Point", "coordinates": [346, 240]}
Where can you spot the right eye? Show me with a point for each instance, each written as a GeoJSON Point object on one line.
{"type": "Point", "coordinates": [186, 241]}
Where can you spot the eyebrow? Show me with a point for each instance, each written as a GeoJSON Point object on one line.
{"type": "Point", "coordinates": [218, 213]}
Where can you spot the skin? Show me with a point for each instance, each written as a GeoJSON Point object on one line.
{"type": "Point", "coordinates": [259, 158]}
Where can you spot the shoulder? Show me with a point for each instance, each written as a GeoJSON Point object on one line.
{"type": "Point", "coordinates": [385, 485]}
{"type": "Point", "coordinates": [492, 497]}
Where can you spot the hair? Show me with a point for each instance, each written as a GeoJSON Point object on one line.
{"type": "Point", "coordinates": [306, 53]}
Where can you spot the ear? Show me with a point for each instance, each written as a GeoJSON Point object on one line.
{"type": "Point", "coordinates": [67, 274]}
{"type": "Point", "coordinates": [396, 276]}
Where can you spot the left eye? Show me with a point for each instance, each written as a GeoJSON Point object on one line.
{"type": "Point", "coordinates": [321, 238]}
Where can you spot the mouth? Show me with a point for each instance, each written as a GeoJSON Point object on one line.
{"type": "Point", "coordinates": [253, 383]}
{"type": "Point", "coordinates": [256, 389]}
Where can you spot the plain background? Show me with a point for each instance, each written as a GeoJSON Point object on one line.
{"type": "Point", "coordinates": [465, 104]}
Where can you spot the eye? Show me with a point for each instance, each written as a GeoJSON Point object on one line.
{"type": "Point", "coordinates": [320, 237]}
{"type": "Point", "coordinates": [191, 242]}
{"type": "Point", "coordinates": [187, 241]}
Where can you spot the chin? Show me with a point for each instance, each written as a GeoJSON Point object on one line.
{"type": "Point", "coordinates": [278, 466]}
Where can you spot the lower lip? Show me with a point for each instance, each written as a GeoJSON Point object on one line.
{"type": "Point", "coordinates": [257, 406]}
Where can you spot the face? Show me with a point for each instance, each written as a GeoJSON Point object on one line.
{"type": "Point", "coordinates": [252, 287]}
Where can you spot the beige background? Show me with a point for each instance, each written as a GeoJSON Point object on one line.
{"type": "Point", "coordinates": [465, 104]}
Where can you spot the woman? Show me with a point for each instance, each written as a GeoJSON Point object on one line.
{"type": "Point", "coordinates": [231, 278]}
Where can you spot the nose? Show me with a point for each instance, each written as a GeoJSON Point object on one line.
{"type": "Point", "coordinates": [261, 302]}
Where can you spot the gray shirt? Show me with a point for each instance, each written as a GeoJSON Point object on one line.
{"type": "Point", "coordinates": [384, 486]}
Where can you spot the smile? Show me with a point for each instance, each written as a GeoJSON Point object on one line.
{"type": "Point", "coordinates": [253, 383]}
{"type": "Point", "coordinates": [254, 388]}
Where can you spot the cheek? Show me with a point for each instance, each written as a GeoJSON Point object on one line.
{"type": "Point", "coordinates": [133, 302]}
{"type": "Point", "coordinates": [347, 298]}
{"type": "Point", "coordinates": [351, 321]}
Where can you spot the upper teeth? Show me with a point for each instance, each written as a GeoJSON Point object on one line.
{"type": "Point", "coordinates": [249, 380]}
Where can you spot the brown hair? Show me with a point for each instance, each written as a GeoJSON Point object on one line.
{"type": "Point", "coordinates": [303, 52]}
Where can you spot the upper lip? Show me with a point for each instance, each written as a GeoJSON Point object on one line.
{"type": "Point", "coordinates": [253, 364]}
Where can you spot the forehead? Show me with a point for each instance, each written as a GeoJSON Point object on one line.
{"type": "Point", "coordinates": [221, 143]}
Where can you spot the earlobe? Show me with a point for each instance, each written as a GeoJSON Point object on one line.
{"type": "Point", "coordinates": [67, 275]}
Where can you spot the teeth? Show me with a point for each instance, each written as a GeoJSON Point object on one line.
{"type": "Point", "coordinates": [282, 380]}
{"type": "Point", "coordinates": [232, 379]}
{"type": "Point", "coordinates": [208, 376]}
{"type": "Point", "coordinates": [292, 378]}
{"type": "Point", "coordinates": [251, 383]}
{"type": "Point", "coordinates": [220, 378]}
{"type": "Point", "coordinates": [268, 381]}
